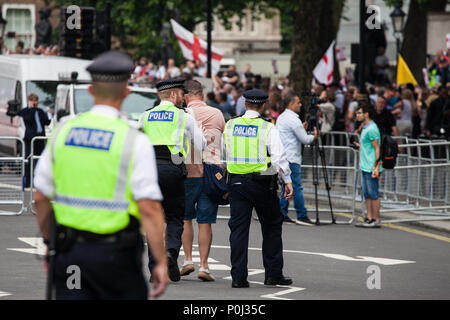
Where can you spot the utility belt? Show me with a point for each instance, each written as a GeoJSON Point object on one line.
{"type": "Point", "coordinates": [164, 157]}
{"type": "Point", "coordinates": [272, 180]}
{"type": "Point", "coordinates": [127, 238]}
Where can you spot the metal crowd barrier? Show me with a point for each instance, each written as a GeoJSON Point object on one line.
{"type": "Point", "coordinates": [12, 172]}
{"type": "Point", "coordinates": [32, 159]}
{"type": "Point", "coordinates": [342, 172]}
{"type": "Point", "coordinates": [420, 182]}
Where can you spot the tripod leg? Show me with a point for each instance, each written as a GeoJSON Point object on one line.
{"type": "Point", "coordinates": [315, 178]}
{"type": "Point", "coordinates": [325, 177]}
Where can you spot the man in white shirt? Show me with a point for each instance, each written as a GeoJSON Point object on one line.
{"type": "Point", "coordinates": [293, 134]}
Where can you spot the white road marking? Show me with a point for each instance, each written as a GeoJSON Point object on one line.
{"type": "Point", "coordinates": [39, 248]}
{"type": "Point", "coordinates": [38, 245]}
{"type": "Point", "coordinates": [379, 260]}
{"type": "Point", "coordinates": [280, 293]}
{"type": "Point", "coordinates": [4, 294]}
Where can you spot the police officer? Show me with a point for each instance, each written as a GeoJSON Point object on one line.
{"type": "Point", "coordinates": [101, 175]}
{"type": "Point", "coordinates": [171, 130]}
{"type": "Point", "coordinates": [254, 156]}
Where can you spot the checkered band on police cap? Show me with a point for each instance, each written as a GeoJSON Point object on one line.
{"type": "Point", "coordinates": [111, 66]}
{"type": "Point", "coordinates": [255, 96]}
{"type": "Point", "coordinates": [170, 84]}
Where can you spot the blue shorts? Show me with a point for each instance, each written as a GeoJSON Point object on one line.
{"type": "Point", "coordinates": [369, 186]}
{"type": "Point", "coordinates": [198, 204]}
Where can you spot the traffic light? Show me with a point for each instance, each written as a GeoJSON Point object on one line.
{"type": "Point", "coordinates": [85, 35]}
{"type": "Point", "coordinates": [77, 32]}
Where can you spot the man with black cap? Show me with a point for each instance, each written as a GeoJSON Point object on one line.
{"type": "Point", "coordinates": [255, 156]}
{"type": "Point", "coordinates": [171, 130]}
{"type": "Point", "coordinates": [101, 175]}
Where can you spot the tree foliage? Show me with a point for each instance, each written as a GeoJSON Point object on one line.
{"type": "Point", "coordinates": [307, 24]}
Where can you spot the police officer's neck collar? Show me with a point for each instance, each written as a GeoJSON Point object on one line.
{"type": "Point", "coordinates": [249, 113]}
{"type": "Point", "coordinates": [166, 103]}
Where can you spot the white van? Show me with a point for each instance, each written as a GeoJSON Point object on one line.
{"type": "Point", "coordinates": [21, 75]}
{"type": "Point", "coordinates": [72, 99]}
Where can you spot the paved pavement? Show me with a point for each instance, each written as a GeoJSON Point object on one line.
{"type": "Point", "coordinates": [398, 261]}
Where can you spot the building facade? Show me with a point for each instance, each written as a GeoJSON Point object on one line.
{"type": "Point", "coordinates": [262, 35]}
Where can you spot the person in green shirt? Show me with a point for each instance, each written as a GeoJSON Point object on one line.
{"type": "Point", "coordinates": [370, 164]}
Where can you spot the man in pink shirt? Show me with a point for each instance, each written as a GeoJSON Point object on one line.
{"type": "Point", "coordinates": [198, 204]}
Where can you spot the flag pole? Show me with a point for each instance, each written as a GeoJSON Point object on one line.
{"type": "Point", "coordinates": [362, 46]}
{"type": "Point", "coordinates": [208, 28]}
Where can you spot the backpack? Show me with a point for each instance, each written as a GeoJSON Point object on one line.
{"type": "Point", "coordinates": [389, 151]}
{"type": "Point", "coordinates": [214, 184]}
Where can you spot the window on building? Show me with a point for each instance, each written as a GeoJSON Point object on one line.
{"type": "Point", "coordinates": [20, 21]}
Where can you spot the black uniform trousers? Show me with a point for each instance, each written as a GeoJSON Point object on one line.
{"type": "Point", "coordinates": [171, 182]}
{"type": "Point", "coordinates": [246, 194]}
{"type": "Point", "coordinates": [107, 272]}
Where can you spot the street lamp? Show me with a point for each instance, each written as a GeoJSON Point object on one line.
{"type": "Point", "coordinates": [398, 17]}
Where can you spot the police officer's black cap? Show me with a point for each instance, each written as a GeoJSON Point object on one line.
{"type": "Point", "coordinates": [171, 84]}
{"type": "Point", "coordinates": [111, 66]}
{"type": "Point", "coordinates": [255, 96]}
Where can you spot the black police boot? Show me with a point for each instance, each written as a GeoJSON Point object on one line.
{"type": "Point", "coordinates": [240, 284]}
{"type": "Point", "coordinates": [282, 281]}
{"type": "Point", "coordinates": [174, 272]}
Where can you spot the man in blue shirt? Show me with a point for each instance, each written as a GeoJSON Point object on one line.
{"type": "Point", "coordinates": [370, 164]}
{"type": "Point", "coordinates": [293, 134]}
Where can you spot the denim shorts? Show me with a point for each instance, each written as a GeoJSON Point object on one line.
{"type": "Point", "coordinates": [198, 204]}
{"type": "Point", "coordinates": [369, 186]}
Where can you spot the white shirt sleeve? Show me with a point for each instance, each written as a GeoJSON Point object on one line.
{"type": "Point", "coordinates": [301, 134]}
{"type": "Point", "coordinates": [144, 177]}
{"type": "Point", "coordinates": [278, 154]}
{"type": "Point", "coordinates": [43, 175]}
{"type": "Point", "coordinates": [194, 133]}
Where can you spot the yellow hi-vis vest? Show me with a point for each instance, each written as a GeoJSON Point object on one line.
{"type": "Point", "coordinates": [92, 164]}
{"type": "Point", "coordinates": [245, 142]}
{"type": "Point", "coordinates": [164, 125]}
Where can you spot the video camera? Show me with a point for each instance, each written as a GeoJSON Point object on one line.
{"type": "Point", "coordinates": [313, 110]}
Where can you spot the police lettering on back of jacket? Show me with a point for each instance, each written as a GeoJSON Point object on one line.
{"type": "Point", "coordinates": [101, 175]}
{"type": "Point", "coordinates": [171, 131]}
{"type": "Point", "coordinates": [255, 156]}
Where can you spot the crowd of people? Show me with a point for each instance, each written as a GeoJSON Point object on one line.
{"type": "Point", "coordinates": [46, 50]}
{"type": "Point", "coordinates": [406, 110]}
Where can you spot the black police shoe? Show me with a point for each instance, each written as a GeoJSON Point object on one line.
{"type": "Point", "coordinates": [240, 284]}
{"type": "Point", "coordinates": [174, 272]}
{"type": "Point", "coordinates": [282, 281]}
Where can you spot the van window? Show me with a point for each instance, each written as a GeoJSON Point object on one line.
{"type": "Point", "coordinates": [46, 91]}
{"type": "Point", "coordinates": [7, 87]}
{"type": "Point", "coordinates": [134, 105]}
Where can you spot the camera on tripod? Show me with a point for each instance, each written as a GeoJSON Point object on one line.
{"type": "Point", "coordinates": [313, 110]}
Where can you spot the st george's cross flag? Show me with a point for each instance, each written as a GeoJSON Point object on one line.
{"type": "Point", "coordinates": [323, 72]}
{"type": "Point", "coordinates": [194, 48]}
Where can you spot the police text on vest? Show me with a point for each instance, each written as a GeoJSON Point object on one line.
{"type": "Point", "coordinates": [89, 138]}
{"type": "Point", "coordinates": [245, 131]}
{"type": "Point", "coordinates": [160, 116]}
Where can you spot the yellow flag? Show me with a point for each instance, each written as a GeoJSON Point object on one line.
{"type": "Point", "coordinates": [404, 75]}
